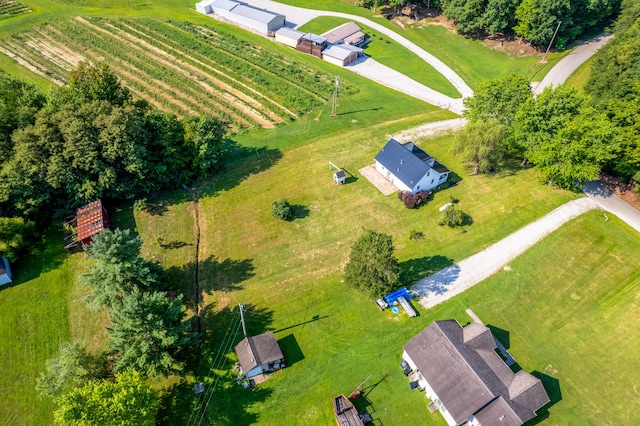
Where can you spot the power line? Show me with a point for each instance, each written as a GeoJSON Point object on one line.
{"type": "Point", "coordinates": [227, 341]}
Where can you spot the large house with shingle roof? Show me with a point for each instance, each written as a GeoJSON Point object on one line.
{"type": "Point", "coordinates": [409, 168]}
{"type": "Point", "coordinates": [466, 379]}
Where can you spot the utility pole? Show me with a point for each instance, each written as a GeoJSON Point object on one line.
{"type": "Point", "coordinates": [334, 106]}
{"type": "Point", "coordinates": [544, 58]}
{"type": "Point", "coordinates": [244, 328]}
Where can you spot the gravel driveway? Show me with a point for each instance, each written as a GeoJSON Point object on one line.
{"type": "Point", "coordinates": [455, 279]}
{"type": "Point", "coordinates": [567, 65]}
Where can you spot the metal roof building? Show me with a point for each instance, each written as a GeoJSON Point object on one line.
{"type": "Point", "coordinates": [288, 36]}
{"type": "Point", "coordinates": [349, 33]}
{"type": "Point", "coordinates": [259, 19]}
{"type": "Point", "coordinates": [341, 54]}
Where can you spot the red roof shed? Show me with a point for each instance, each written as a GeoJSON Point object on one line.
{"type": "Point", "coordinates": [91, 219]}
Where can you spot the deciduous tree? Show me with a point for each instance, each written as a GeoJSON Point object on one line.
{"type": "Point", "coordinates": [480, 143]}
{"type": "Point", "coordinates": [15, 235]}
{"type": "Point", "coordinates": [128, 400]}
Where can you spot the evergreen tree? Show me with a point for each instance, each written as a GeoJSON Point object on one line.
{"type": "Point", "coordinates": [372, 267]}
{"type": "Point", "coordinates": [118, 269]}
{"type": "Point", "coordinates": [73, 367]}
{"type": "Point", "coordinates": [149, 333]}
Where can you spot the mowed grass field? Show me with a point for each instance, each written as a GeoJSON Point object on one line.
{"type": "Point", "coordinates": [289, 273]}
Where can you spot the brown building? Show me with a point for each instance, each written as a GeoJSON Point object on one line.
{"type": "Point", "coordinates": [312, 44]}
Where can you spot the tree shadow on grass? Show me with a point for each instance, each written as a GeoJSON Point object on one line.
{"type": "Point", "coordinates": [213, 275]}
{"type": "Point", "coordinates": [46, 255]}
{"type": "Point", "coordinates": [414, 270]}
{"type": "Point", "coordinates": [239, 162]}
{"type": "Point", "coordinates": [299, 211]}
{"type": "Point", "coordinates": [552, 386]}
{"type": "Point", "coordinates": [224, 275]}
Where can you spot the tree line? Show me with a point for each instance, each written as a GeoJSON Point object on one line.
{"type": "Point", "coordinates": [534, 20]}
{"type": "Point", "coordinates": [92, 140]}
{"type": "Point", "coordinates": [86, 141]}
{"type": "Point", "coordinates": [570, 136]}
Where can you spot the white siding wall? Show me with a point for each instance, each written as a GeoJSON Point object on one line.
{"type": "Point", "coordinates": [380, 168]}
{"type": "Point", "coordinates": [251, 23]}
{"type": "Point", "coordinates": [334, 61]}
{"type": "Point", "coordinates": [276, 23]}
{"type": "Point", "coordinates": [204, 7]}
{"type": "Point", "coordinates": [287, 41]}
{"type": "Point", "coordinates": [429, 181]}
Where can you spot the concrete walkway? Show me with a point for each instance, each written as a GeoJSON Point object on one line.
{"type": "Point", "coordinates": [567, 65]}
{"type": "Point", "coordinates": [297, 16]}
{"type": "Point", "coordinates": [455, 279]}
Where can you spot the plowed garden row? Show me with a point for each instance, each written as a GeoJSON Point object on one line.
{"type": "Point", "coordinates": [10, 8]}
{"type": "Point", "coordinates": [179, 67]}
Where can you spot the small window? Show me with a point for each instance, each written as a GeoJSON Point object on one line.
{"type": "Point", "coordinates": [432, 180]}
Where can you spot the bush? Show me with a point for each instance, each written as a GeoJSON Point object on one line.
{"type": "Point", "coordinates": [411, 200]}
{"type": "Point", "coordinates": [416, 235]}
{"type": "Point", "coordinates": [452, 217]}
{"type": "Point", "coordinates": [141, 205]}
{"type": "Point", "coordinates": [282, 210]}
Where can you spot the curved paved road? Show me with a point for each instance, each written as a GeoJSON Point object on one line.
{"type": "Point", "coordinates": [567, 65]}
{"type": "Point", "coordinates": [297, 16]}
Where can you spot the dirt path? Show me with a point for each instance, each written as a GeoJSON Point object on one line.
{"type": "Point", "coordinates": [455, 279]}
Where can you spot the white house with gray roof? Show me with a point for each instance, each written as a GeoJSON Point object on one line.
{"type": "Point", "coordinates": [409, 168]}
{"type": "Point", "coordinates": [467, 381]}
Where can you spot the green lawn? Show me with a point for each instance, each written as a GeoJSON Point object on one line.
{"type": "Point", "coordinates": [580, 76]}
{"type": "Point", "coordinates": [289, 272]}
{"type": "Point", "coordinates": [40, 309]}
{"type": "Point", "coordinates": [570, 306]}
{"type": "Point", "coordinates": [390, 53]}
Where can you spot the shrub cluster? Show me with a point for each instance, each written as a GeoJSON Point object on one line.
{"type": "Point", "coordinates": [411, 200]}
